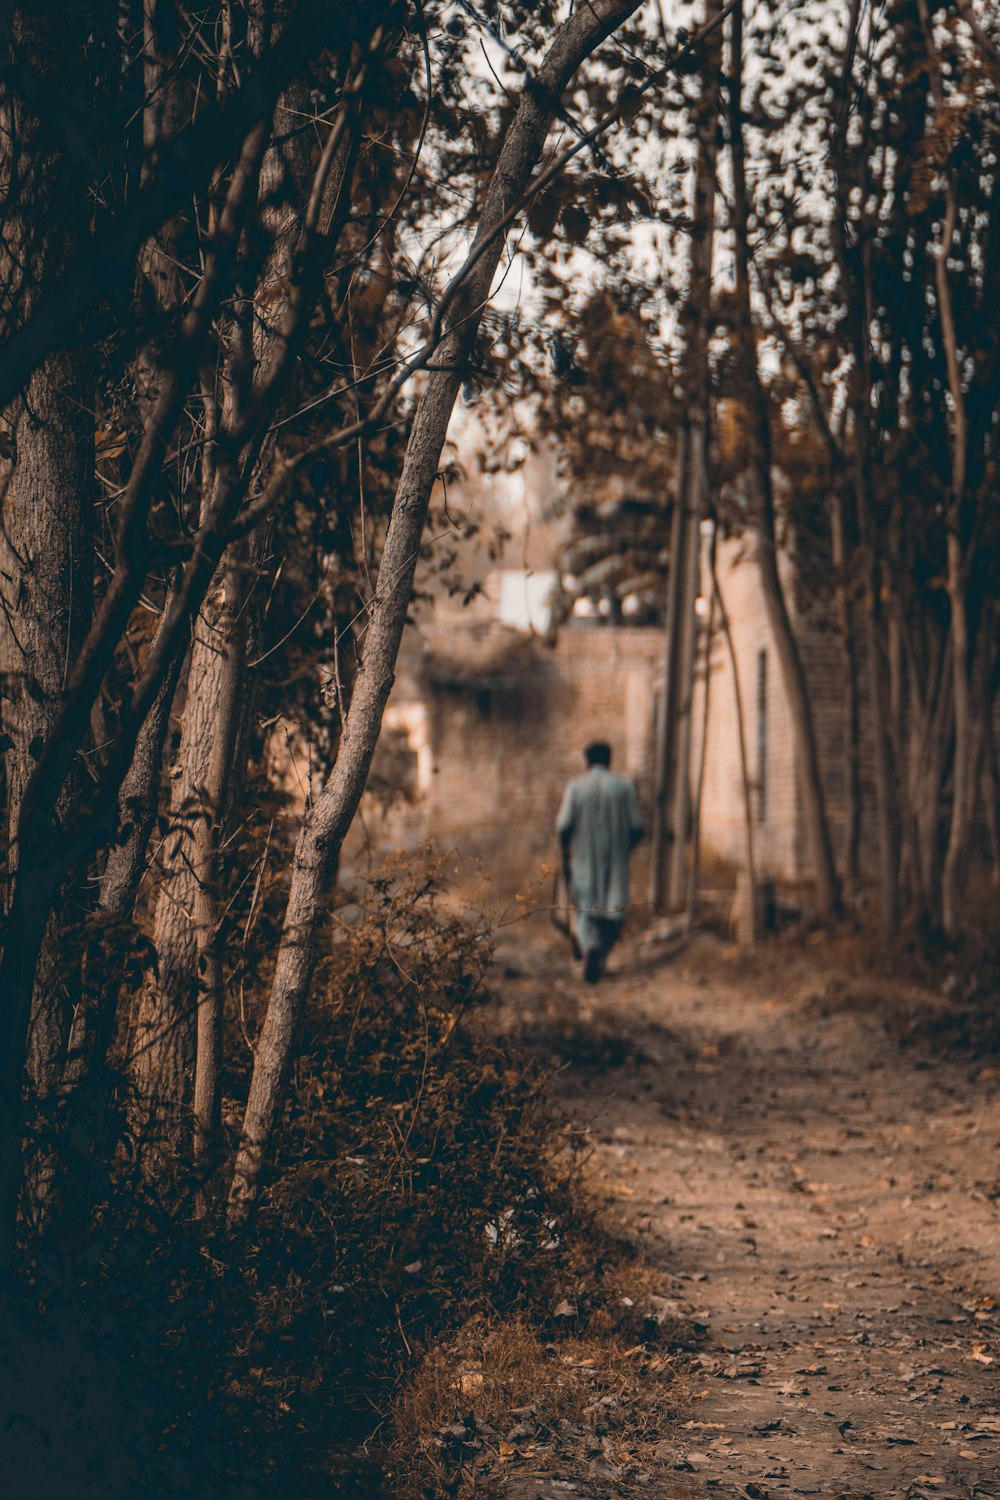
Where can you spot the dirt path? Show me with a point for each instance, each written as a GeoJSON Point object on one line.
{"type": "Point", "coordinates": [826, 1202]}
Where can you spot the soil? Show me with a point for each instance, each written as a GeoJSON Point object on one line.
{"type": "Point", "coordinates": [821, 1184]}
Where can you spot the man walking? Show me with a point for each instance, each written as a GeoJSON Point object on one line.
{"type": "Point", "coordinates": [599, 824]}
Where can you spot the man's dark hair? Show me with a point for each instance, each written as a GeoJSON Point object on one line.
{"type": "Point", "coordinates": [598, 753]}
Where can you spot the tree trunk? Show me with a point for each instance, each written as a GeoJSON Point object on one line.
{"type": "Point", "coordinates": [327, 822]}
{"type": "Point", "coordinates": [46, 553]}
{"type": "Point", "coordinates": [965, 761]}
{"type": "Point", "coordinates": [178, 1033]}
{"type": "Point", "coordinates": [202, 779]}
{"type": "Point", "coordinates": [223, 774]}
{"type": "Point", "coordinates": [851, 715]}
{"type": "Point", "coordinates": [699, 786]}
{"type": "Point", "coordinates": [46, 543]}
{"type": "Point", "coordinates": [930, 734]}
{"type": "Point", "coordinates": [138, 802]}
{"type": "Point", "coordinates": [965, 645]}
{"type": "Point", "coordinates": [662, 833]}
{"type": "Point", "coordinates": [46, 582]}
{"type": "Point", "coordinates": [817, 827]}
{"type": "Point", "coordinates": [967, 625]}
{"type": "Point", "coordinates": [990, 787]}
{"type": "Point", "coordinates": [886, 799]}
{"type": "Point", "coordinates": [672, 800]}
{"type": "Point", "coordinates": [855, 293]}
{"type": "Point", "coordinates": [161, 288]}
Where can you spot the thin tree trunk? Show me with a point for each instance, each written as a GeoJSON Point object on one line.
{"type": "Point", "coordinates": [672, 800]}
{"type": "Point", "coordinates": [161, 287]}
{"type": "Point", "coordinates": [855, 295]}
{"type": "Point", "coordinates": [328, 821]}
{"type": "Point", "coordinates": [851, 716]}
{"type": "Point", "coordinates": [990, 788]}
{"type": "Point", "coordinates": [164, 1043]}
{"type": "Point", "coordinates": [793, 675]}
{"type": "Point", "coordinates": [694, 504]}
{"type": "Point", "coordinates": [692, 893]}
{"type": "Point", "coordinates": [662, 833]}
{"type": "Point", "coordinates": [886, 799]}
{"type": "Point", "coordinates": [930, 734]}
{"type": "Point", "coordinates": [964, 642]}
{"type": "Point", "coordinates": [138, 802]}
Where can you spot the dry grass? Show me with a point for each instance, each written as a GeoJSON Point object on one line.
{"type": "Point", "coordinates": [509, 1398]}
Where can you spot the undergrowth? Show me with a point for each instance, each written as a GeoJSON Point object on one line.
{"type": "Point", "coordinates": [424, 1258]}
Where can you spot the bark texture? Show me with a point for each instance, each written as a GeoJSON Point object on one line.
{"type": "Point", "coordinates": [327, 822]}
{"type": "Point", "coordinates": [46, 543]}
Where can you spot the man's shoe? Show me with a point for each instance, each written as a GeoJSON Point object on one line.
{"type": "Point", "coordinates": [592, 966]}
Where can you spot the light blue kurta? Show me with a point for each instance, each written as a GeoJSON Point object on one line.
{"type": "Point", "coordinates": [600, 813]}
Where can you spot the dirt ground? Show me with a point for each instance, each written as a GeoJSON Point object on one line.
{"type": "Point", "coordinates": [823, 1190]}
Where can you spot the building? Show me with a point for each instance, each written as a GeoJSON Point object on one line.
{"type": "Point", "coordinates": [496, 714]}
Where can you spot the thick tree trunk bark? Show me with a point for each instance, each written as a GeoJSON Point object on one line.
{"type": "Point", "coordinates": [46, 553]}
{"type": "Point", "coordinates": [327, 822]}
{"type": "Point", "coordinates": [46, 544]}
{"type": "Point", "coordinates": [46, 579]}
